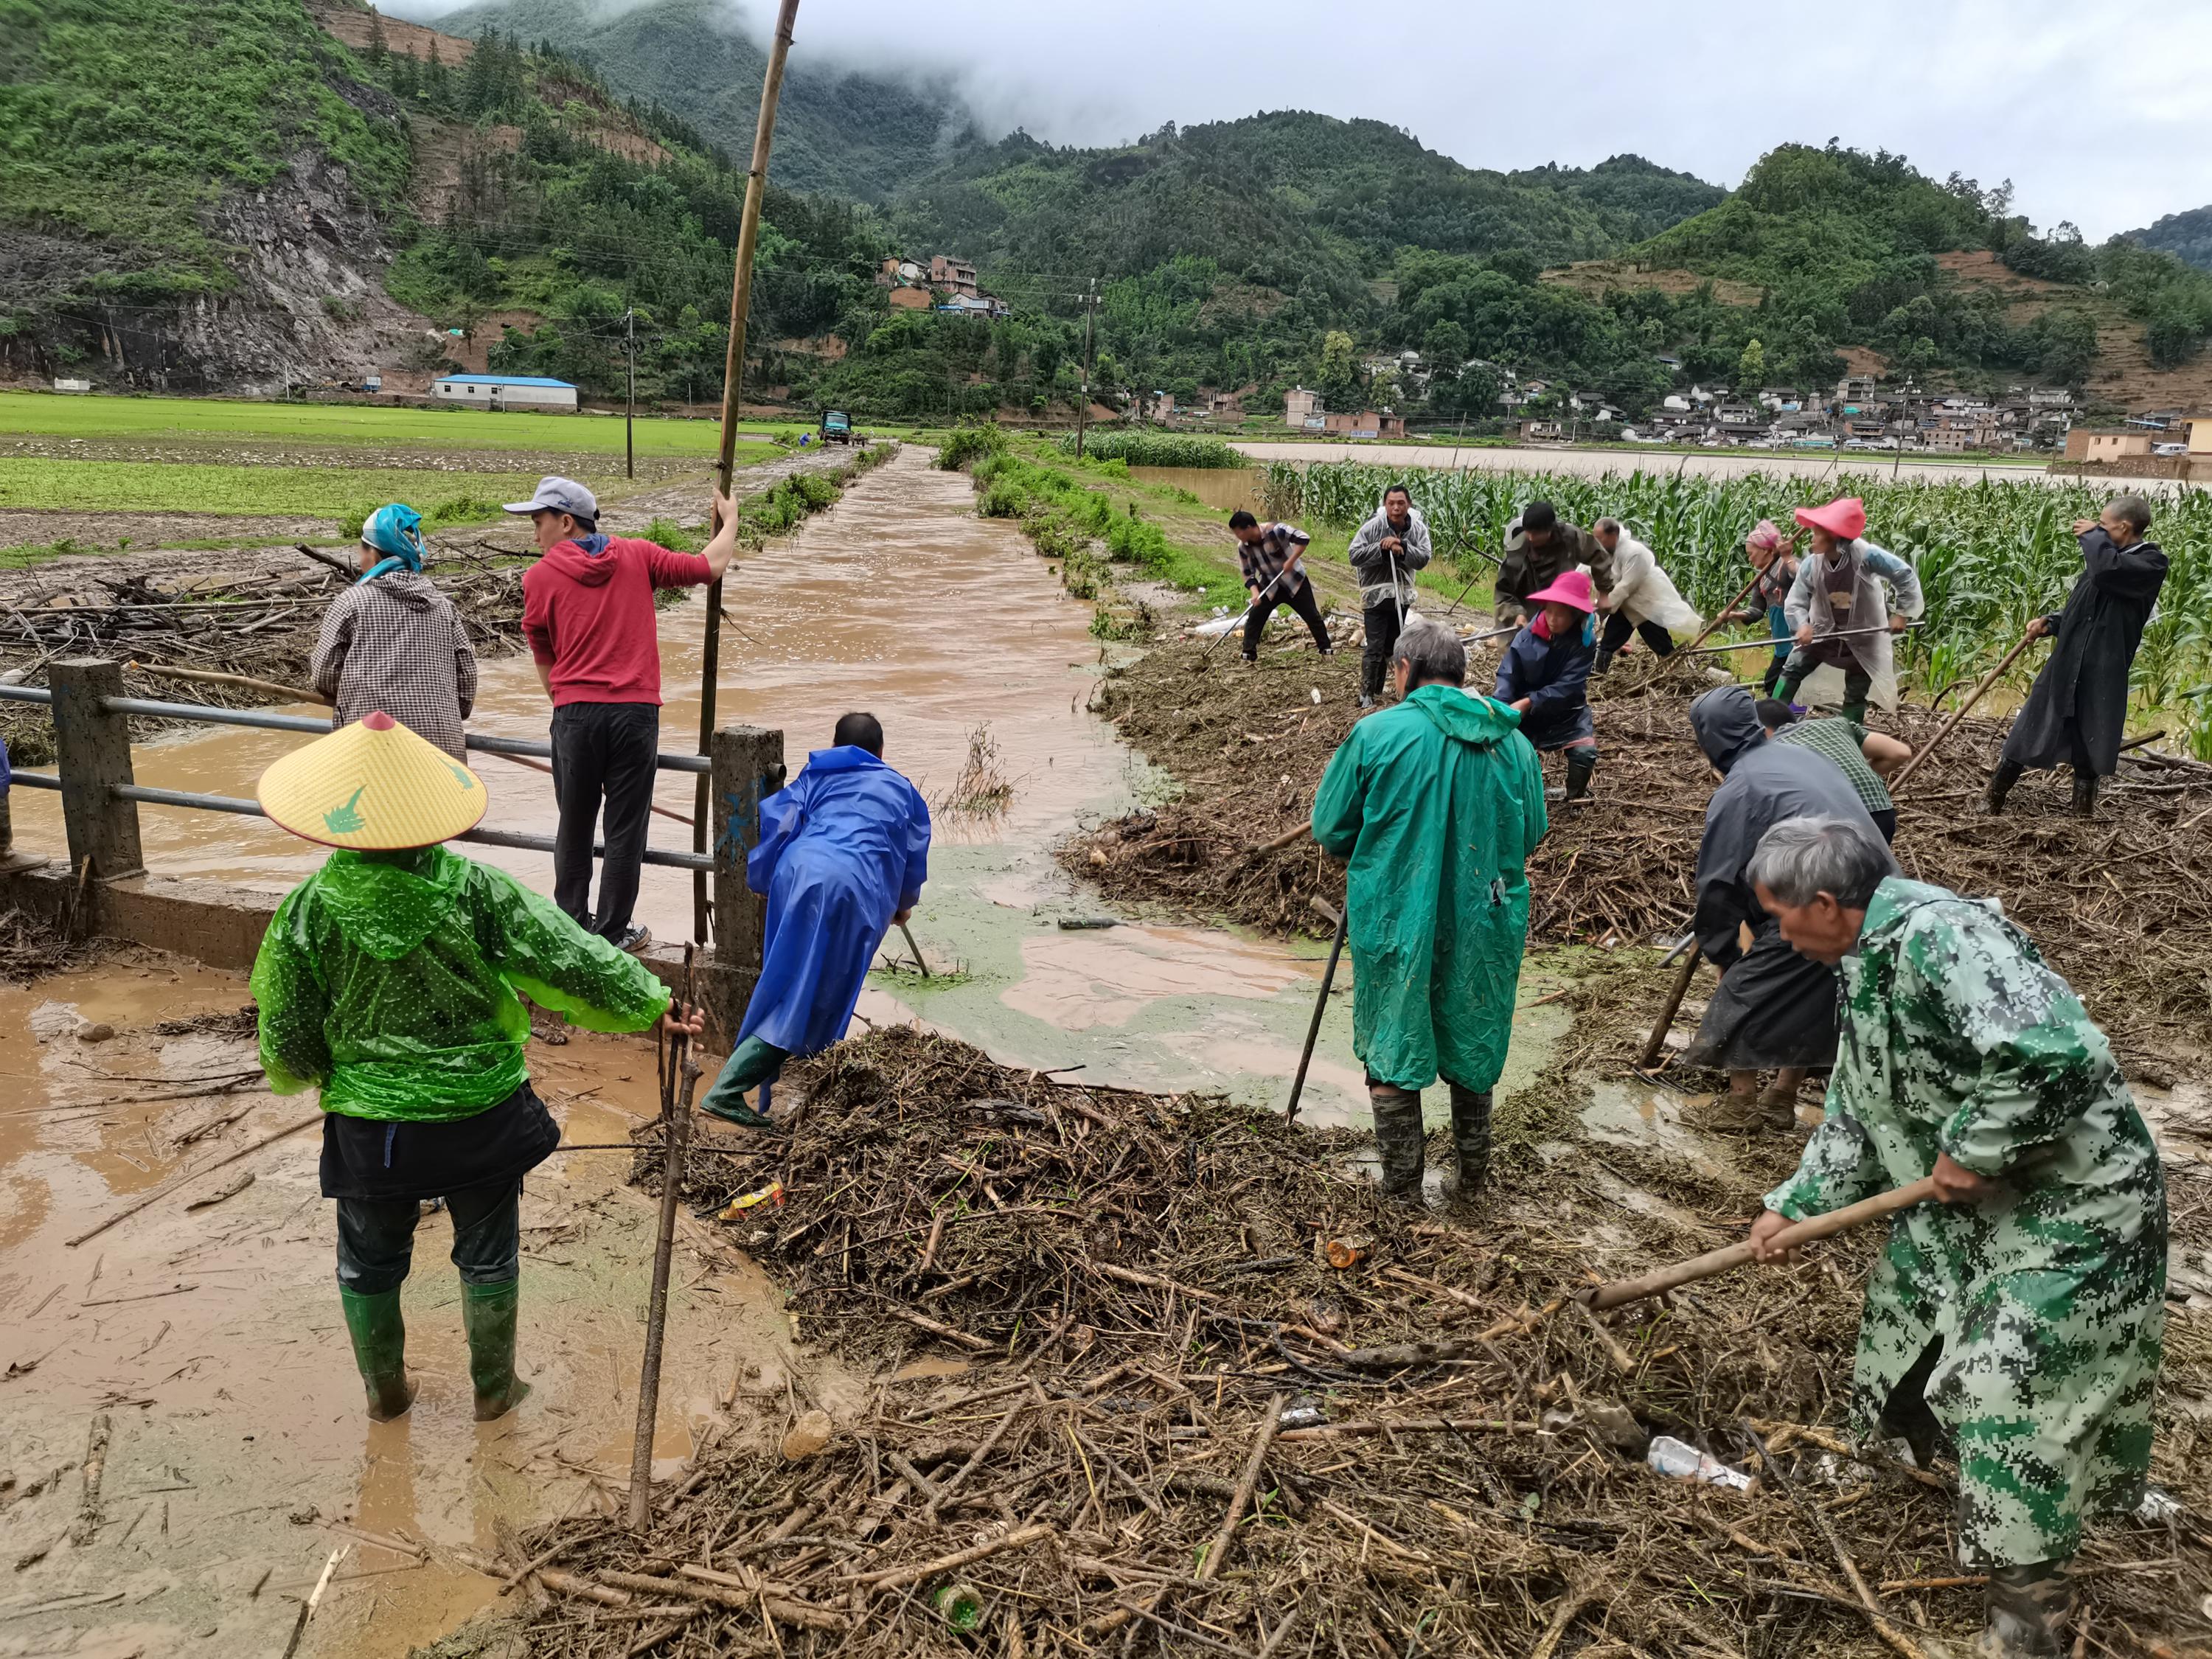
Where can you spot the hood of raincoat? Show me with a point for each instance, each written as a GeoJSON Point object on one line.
{"type": "Point", "coordinates": [386, 907]}
{"type": "Point", "coordinates": [583, 559]}
{"type": "Point", "coordinates": [1726, 721]}
{"type": "Point", "coordinates": [1466, 716]}
{"type": "Point", "coordinates": [409, 588]}
{"type": "Point", "coordinates": [1897, 901]}
{"type": "Point", "coordinates": [846, 758]}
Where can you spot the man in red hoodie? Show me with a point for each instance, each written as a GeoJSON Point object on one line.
{"type": "Point", "coordinates": [588, 612]}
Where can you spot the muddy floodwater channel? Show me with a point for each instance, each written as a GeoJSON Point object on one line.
{"type": "Point", "coordinates": [208, 1341]}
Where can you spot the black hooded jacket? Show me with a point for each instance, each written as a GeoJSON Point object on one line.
{"type": "Point", "coordinates": [1765, 782]}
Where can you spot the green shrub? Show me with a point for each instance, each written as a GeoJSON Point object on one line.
{"type": "Point", "coordinates": [969, 442]}
{"type": "Point", "coordinates": [1002, 499]}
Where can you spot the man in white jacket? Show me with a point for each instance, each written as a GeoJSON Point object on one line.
{"type": "Point", "coordinates": [1643, 601]}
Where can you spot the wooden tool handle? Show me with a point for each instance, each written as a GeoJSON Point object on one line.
{"type": "Point", "coordinates": [1734, 1255]}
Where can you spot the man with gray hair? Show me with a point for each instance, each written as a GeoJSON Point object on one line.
{"type": "Point", "coordinates": [1437, 803]}
{"type": "Point", "coordinates": [2020, 1319]}
{"type": "Point", "coordinates": [2079, 708]}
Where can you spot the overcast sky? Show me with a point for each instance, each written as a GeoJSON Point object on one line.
{"type": "Point", "coordinates": [2093, 119]}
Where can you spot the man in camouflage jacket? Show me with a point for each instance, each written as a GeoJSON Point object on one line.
{"type": "Point", "coordinates": [2027, 1309]}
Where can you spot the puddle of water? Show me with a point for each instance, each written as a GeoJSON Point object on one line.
{"type": "Point", "coordinates": [213, 1340]}
{"type": "Point", "coordinates": [1227, 488]}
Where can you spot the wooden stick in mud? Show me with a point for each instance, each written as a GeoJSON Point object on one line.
{"type": "Point", "coordinates": [1958, 714]}
{"type": "Point", "coordinates": [188, 1177]}
{"type": "Point", "coordinates": [916, 949]}
{"type": "Point", "coordinates": [677, 1112]}
{"type": "Point", "coordinates": [1676, 993]}
{"type": "Point", "coordinates": [1286, 838]}
{"type": "Point", "coordinates": [1321, 1004]}
{"type": "Point", "coordinates": [241, 681]}
{"type": "Point", "coordinates": [734, 369]}
{"type": "Point", "coordinates": [1721, 616]}
{"type": "Point", "coordinates": [1734, 1255]}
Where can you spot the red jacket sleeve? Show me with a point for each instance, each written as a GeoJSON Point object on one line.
{"type": "Point", "coordinates": [537, 617]}
{"type": "Point", "coordinates": [673, 569]}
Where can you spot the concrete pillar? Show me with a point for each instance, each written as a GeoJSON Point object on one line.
{"type": "Point", "coordinates": [748, 764]}
{"type": "Point", "coordinates": [93, 755]}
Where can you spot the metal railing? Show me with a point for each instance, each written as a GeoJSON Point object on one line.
{"type": "Point", "coordinates": [214, 714]}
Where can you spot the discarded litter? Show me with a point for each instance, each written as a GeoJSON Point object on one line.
{"type": "Point", "coordinates": [961, 1606]}
{"type": "Point", "coordinates": [773, 1193]}
{"type": "Point", "coordinates": [1672, 1457]}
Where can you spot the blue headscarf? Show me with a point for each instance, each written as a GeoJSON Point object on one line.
{"type": "Point", "coordinates": [396, 532]}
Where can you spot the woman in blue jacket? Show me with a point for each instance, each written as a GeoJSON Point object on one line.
{"type": "Point", "coordinates": [1546, 675]}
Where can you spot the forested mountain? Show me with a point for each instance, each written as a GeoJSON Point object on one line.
{"type": "Point", "coordinates": [245, 193]}
{"type": "Point", "coordinates": [838, 131]}
{"type": "Point", "coordinates": [2186, 235]}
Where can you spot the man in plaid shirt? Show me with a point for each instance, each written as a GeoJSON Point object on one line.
{"type": "Point", "coordinates": [393, 642]}
{"type": "Point", "coordinates": [1271, 556]}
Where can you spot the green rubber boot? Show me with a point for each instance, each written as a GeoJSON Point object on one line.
{"type": "Point", "coordinates": [488, 1313]}
{"type": "Point", "coordinates": [753, 1062]}
{"type": "Point", "coordinates": [379, 1349]}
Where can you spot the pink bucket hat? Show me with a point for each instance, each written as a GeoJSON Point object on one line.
{"type": "Point", "coordinates": [1571, 587]}
{"type": "Point", "coordinates": [1764, 535]}
{"type": "Point", "coordinates": [1845, 518]}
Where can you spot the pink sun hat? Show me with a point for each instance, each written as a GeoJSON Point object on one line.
{"type": "Point", "coordinates": [1845, 518]}
{"type": "Point", "coordinates": [1571, 587]}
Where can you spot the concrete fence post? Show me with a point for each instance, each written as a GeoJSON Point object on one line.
{"type": "Point", "coordinates": [93, 755]}
{"type": "Point", "coordinates": [748, 764]}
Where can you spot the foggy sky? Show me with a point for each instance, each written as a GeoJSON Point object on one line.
{"type": "Point", "coordinates": [2096, 114]}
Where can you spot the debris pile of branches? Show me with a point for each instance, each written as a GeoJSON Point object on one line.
{"type": "Point", "coordinates": [259, 626]}
{"type": "Point", "coordinates": [1220, 1401]}
{"type": "Point", "coordinates": [1248, 750]}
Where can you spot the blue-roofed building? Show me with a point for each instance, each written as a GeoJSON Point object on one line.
{"type": "Point", "coordinates": [530, 392]}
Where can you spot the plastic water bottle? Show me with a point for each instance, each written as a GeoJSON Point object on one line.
{"type": "Point", "coordinates": [1673, 1458]}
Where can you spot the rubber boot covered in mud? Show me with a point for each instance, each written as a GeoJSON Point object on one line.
{"type": "Point", "coordinates": [1470, 1113]}
{"type": "Point", "coordinates": [1399, 1139]}
{"type": "Point", "coordinates": [488, 1313]}
{"type": "Point", "coordinates": [2026, 1611]}
{"type": "Point", "coordinates": [379, 1349]}
{"type": "Point", "coordinates": [2085, 794]}
{"type": "Point", "coordinates": [1581, 763]}
{"type": "Point", "coordinates": [2001, 783]}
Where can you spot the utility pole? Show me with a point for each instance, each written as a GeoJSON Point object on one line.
{"type": "Point", "coordinates": [1083, 405]}
{"type": "Point", "coordinates": [630, 408]}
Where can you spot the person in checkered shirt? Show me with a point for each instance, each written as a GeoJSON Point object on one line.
{"type": "Point", "coordinates": [393, 642]}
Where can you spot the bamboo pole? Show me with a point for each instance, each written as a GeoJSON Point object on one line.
{"type": "Point", "coordinates": [239, 681]}
{"type": "Point", "coordinates": [1763, 645]}
{"type": "Point", "coordinates": [682, 1079]}
{"type": "Point", "coordinates": [1341, 918]}
{"type": "Point", "coordinates": [734, 364]}
{"type": "Point", "coordinates": [1734, 1255]}
{"type": "Point", "coordinates": [1958, 714]}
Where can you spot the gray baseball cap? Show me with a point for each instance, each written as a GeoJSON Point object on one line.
{"type": "Point", "coordinates": [560, 496]}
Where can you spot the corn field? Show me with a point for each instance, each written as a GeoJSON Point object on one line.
{"type": "Point", "coordinates": [1142, 448]}
{"type": "Point", "coordinates": [1990, 554]}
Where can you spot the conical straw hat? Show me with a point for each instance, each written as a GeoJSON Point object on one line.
{"type": "Point", "coordinates": [374, 786]}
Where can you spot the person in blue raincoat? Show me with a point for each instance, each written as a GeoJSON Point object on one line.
{"type": "Point", "coordinates": [843, 852]}
{"type": "Point", "coordinates": [1545, 677]}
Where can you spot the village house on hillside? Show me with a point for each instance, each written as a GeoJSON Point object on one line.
{"type": "Point", "coordinates": [916, 287]}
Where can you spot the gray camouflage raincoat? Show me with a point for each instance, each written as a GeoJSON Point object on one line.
{"type": "Point", "coordinates": [2049, 1298]}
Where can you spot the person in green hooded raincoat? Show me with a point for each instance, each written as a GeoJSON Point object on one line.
{"type": "Point", "coordinates": [2022, 1318]}
{"type": "Point", "coordinates": [388, 980]}
{"type": "Point", "coordinates": [1437, 802]}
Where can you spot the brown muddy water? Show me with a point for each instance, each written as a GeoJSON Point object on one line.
{"type": "Point", "coordinates": [211, 1339]}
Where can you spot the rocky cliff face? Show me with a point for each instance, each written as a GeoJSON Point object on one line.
{"type": "Point", "coordinates": [306, 305]}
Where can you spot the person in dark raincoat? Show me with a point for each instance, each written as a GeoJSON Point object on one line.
{"type": "Point", "coordinates": [1774, 1009]}
{"type": "Point", "coordinates": [2078, 709]}
{"type": "Point", "coordinates": [843, 852]}
{"type": "Point", "coordinates": [1437, 803]}
{"type": "Point", "coordinates": [1540, 548]}
{"type": "Point", "coordinates": [1545, 676]}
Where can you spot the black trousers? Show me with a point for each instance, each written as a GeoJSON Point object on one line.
{"type": "Point", "coordinates": [1382, 627]}
{"type": "Point", "coordinates": [1300, 599]}
{"type": "Point", "coordinates": [1618, 628]}
{"type": "Point", "coordinates": [602, 752]}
